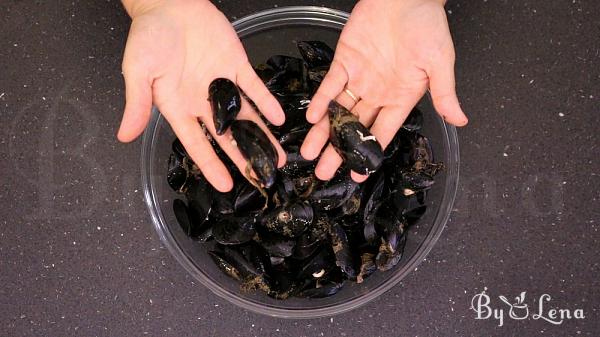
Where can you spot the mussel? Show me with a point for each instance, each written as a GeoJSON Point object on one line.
{"type": "Point", "coordinates": [258, 150]}
{"type": "Point", "coordinates": [225, 101]}
{"type": "Point", "coordinates": [361, 151]}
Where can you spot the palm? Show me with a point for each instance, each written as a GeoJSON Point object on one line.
{"type": "Point", "coordinates": [388, 54]}
{"type": "Point", "coordinates": [173, 52]}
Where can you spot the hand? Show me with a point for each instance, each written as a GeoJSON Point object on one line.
{"type": "Point", "coordinates": [174, 50]}
{"type": "Point", "coordinates": [388, 54]}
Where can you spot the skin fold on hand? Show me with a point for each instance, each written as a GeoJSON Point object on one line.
{"type": "Point", "coordinates": [389, 54]}
{"type": "Point", "coordinates": [175, 48]}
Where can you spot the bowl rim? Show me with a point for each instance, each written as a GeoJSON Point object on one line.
{"type": "Point", "coordinates": [449, 137]}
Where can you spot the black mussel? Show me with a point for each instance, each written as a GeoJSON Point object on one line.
{"type": "Point", "coordinates": [177, 174]}
{"type": "Point", "coordinates": [414, 121]}
{"type": "Point", "coordinates": [335, 192]}
{"type": "Point", "coordinates": [409, 206]}
{"type": "Point", "coordinates": [256, 255]}
{"type": "Point", "coordinates": [199, 195]}
{"type": "Point", "coordinates": [304, 185]}
{"type": "Point", "coordinates": [296, 165]}
{"type": "Point", "coordinates": [225, 265]}
{"type": "Point", "coordinates": [422, 157]}
{"type": "Point", "coordinates": [233, 262]}
{"type": "Point", "coordinates": [291, 75]}
{"type": "Point", "coordinates": [289, 219]}
{"type": "Point", "coordinates": [282, 281]}
{"type": "Point", "coordinates": [318, 265]}
{"type": "Point", "coordinates": [373, 198]}
{"type": "Point", "coordinates": [398, 150]}
{"type": "Point", "coordinates": [258, 150]}
{"type": "Point", "coordinates": [342, 251]}
{"type": "Point", "coordinates": [182, 216]}
{"type": "Point", "coordinates": [248, 199]}
{"type": "Point", "coordinates": [226, 102]}
{"type": "Point", "coordinates": [386, 259]}
{"type": "Point", "coordinates": [390, 225]}
{"type": "Point", "coordinates": [321, 289]}
{"type": "Point", "coordinates": [233, 230]}
{"type": "Point", "coordinates": [276, 244]}
{"type": "Point", "coordinates": [307, 244]}
{"type": "Point", "coordinates": [316, 53]}
{"type": "Point", "coordinates": [294, 106]}
{"type": "Point", "coordinates": [413, 182]}
{"type": "Point", "coordinates": [367, 266]}
{"type": "Point", "coordinates": [264, 71]}
{"type": "Point", "coordinates": [361, 151]}
{"type": "Point", "coordinates": [284, 190]}
{"type": "Point", "coordinates": [276, 260]}
{"type": "Point", "coordinates": [293, 138]}
{"type": "Point", "coordinates": [178, 149]}
{"type": "Point", "coordinates": [223, 202]}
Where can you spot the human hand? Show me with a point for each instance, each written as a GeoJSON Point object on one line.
{"type": "Point", "coordinates": [388, 54]}
{"type": "Point", "coordinates": [175, 49]}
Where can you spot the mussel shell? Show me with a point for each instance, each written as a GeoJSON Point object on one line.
{"type": "Point", "coordinates": [225, 101]}
{"type": "Point", "coordinates": [334, 193]}
{"type": "Point", "coordinates": [181, 214]}
{"type": "Point", "coordinates": [390, 225]}
{"type": "Point", "coordinates": [234, 231]}
{"type": "Point", "coordinates": [316, 53]}
{"type": "Point", "coordinates": [291, 75]}
{"type": "Point", "coordinates": [307, 244]}
{"type": "Point", "coordinates": [296, 165]}
{"type": "Point", "coordinates": [178, 149]}
{"type": "Point", "coordinates": [360, 150]}
{"type": "Point", "coordinates": [342, 251]}
{"type": "Point", "coordinates": [289, 219]}
{"type": "Point", "coordinates": [325, 289]}
{"type": "Point", "coordinates": [322, 261]}
{"type": "Point", "coordinates": [258, 150]}
{"type": "Point", "coordinates": [367, 266]}
{"type": "Point", "coordinates": [248, 199]}
{"type": "Point", "coordinates": [176, 173]}
{"type": "Point", "coordinates": [200, 199]}
{"type": "Point", "coordinates": [414, 121]}
{"type": "Point", "coordinates": [264, 71]}
{"type": "Point", "coordinates": [276, 244]}
{"type": "Point", "coordinates": [235, 260]}
{"type": "Point", "coordinates": [385, 259]}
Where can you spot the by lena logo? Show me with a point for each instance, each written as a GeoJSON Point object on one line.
{"type": "Point", "coordinates": [519, 309]}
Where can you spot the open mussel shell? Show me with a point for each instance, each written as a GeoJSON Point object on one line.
{"type": "Point", "coordinates": [225, 101]}
{"type": "Point", "coordinates": [257, 149]}
{"type": "Point", "coordinates": [360, 150]}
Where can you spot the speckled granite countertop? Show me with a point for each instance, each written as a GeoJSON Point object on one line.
{"type": "Point", "coordinates": [78, 255]}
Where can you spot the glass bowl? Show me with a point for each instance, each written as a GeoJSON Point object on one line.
{"type": "Point", "coordinates": [265, 34]}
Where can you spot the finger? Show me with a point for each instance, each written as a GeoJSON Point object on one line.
{"type": "Point", "coordinates": [316, 139]}
{"type": "Point", "coordinates": [332, 85]}
{"type": "Point", "coordinates": [226, 143]}
{"type": "Point", "coordinates": [346, 100]}
{"type": "Point", "coordinates": [254, 87]}
{"type": "Point", "coordinates": [443, 93]}
{"type": "Point", "coordinates": [366, 112]}
{"type": "Point", "coordinates": [194, 140]}
{"type": "Point", "coordinates": [248, 113]}
{"type": "Point", "coordinates": [328, 164]}
{"type": "Point", "coordinates": [138, 105]}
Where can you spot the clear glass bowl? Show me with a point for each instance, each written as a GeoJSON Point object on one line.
{"type": "Point", "coordinates": [265, 34]}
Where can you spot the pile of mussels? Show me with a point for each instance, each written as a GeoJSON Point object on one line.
{"type": "Point", "coordinates": [286, 232]}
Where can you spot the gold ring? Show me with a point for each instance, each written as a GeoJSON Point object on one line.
{"type": "Point", "coordinates": [351, 94]}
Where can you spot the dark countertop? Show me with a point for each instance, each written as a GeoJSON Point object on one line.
{"type": "Point", "coordinates": [78, 254]}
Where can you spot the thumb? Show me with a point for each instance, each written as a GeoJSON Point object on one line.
{"type": "Point", "coordinates": [138, 105]}
{"type": "Point", "coordinates": [443, 92]}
